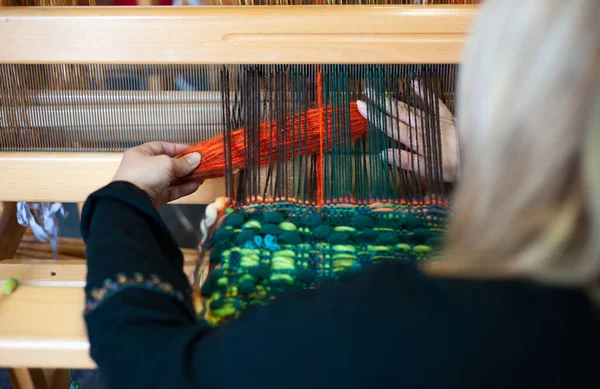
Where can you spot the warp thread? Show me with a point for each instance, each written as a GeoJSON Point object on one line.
{"type": "Point", "coordinates": [41, 217]}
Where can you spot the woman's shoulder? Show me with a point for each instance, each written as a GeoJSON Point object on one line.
{"type": "Point", "coordinates": [509, 323]}
{"type": "Point", "coordinates": [515, 302]}
{"type": "Point", "coordinates": [503, 326]}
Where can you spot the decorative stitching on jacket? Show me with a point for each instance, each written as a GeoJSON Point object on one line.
{"type": "Point", "coordinates": [111, 287]}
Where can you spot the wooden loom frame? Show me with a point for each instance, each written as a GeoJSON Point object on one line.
{"type": "Point", "coordinates": [36, 335]}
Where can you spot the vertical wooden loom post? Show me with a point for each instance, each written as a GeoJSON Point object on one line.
{"type": "Point", "coordinates": [10, 230]}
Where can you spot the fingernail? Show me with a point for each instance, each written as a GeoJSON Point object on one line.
{"type": "Point", "coordinates": [361, 106]}
{"type": "Point", "coordinates": [193, 159]}
{"type": "Point", "coordinates": [416, 86]}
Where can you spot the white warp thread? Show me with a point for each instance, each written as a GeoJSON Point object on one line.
{"type": "Point", "coordinates": [189, 2]}
{"type": "Point", "coordinates": [41, 217]}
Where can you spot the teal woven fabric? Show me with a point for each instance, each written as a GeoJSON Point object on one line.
{"type": "Point", "coordinates": [262, 250]}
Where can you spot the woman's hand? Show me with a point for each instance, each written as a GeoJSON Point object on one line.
{"type": "Point", "coordinates": [397, 128]}
{"type": "Point", "coordinates": [152, 168]}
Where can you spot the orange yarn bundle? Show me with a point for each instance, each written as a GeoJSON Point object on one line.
{"type": "Point", "coordinates": [302, 136]}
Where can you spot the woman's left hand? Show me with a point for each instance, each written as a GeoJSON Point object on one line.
{"type": "Point", "coordinates": [152, 168]}
{"type": "Point", "coordinates": [397, 127]}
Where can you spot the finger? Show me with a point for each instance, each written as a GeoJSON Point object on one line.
{"type": "Point", "coordinates": [185, 165]}
{"type": "Point", "coordinates": [162, 148]}
{"type": "Point", "coordinates": [404, 160]}
{"type": "Point", "coordinates": [174, 149]}
{"type": "Point", "coordinates": [179, 191]}
{"type": "Point", "coordinates": [397, 109]}
{"type": "Point", "coordinates": [395, 129]}
{"type": "Point", "coordinates": [409, 136]}
{"type": "Point", "coordinates": [444, 111]}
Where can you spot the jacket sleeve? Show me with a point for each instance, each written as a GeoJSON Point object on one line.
{"type": "Point", "coordinates": [139, 312]}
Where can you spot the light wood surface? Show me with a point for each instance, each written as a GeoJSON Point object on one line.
{"type": "Point", "coordinates": [43, 327]}
{"type": "Point", "coordinates": [41, 322]}
{"type": "Point", "coordinates": [270, 34]}
{"type": "Point", "coordinates": [57, 273]}
{"type": "Point", "coordinates": [72, 177]}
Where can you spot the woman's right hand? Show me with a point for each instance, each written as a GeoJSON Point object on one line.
{"type": "Point", "coordinates": [153, 168]}
{"type": "Point", "coordinates": [397, 127]}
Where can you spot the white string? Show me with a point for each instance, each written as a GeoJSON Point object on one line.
{"type": "Point", "coordinates": [41, 217]}
{"type": "Point", "coordinates": [210, 217]}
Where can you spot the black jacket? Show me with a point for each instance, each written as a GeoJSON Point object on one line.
{"type": "Point", "coordinates": [391, 327]}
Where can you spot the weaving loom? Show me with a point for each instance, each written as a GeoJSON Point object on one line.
{"type": "Point", "coordinates": [314, 200]}
{"type": "Point", "coordinates": [268, 95]}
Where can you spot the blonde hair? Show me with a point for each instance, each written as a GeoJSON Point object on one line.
{"type": "Point", "coordinates": [528, 201]}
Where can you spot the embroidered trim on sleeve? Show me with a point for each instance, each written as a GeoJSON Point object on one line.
{"type": "Point", "coordinates": [111, 287]}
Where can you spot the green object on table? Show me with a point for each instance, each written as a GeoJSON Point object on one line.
{"type": "Point", "coordinates": [9, 285]}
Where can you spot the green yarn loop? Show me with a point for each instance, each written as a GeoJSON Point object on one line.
{"type": "Point", "coordinates": [290, 237]}
{"type": "Point", "coordinates": [362, 221]}
{"type": "Point", "coordinates": [368, 235]}
{"type": "Point", "coordinates": [273, 217]}
{"type": "Point", "coordinates": [270, 229]}
{"type": "Point", "coordinates": [386, 239]}
{"type": "Point", "coordinates": [234, 220]}
{"type": "Point", "coordinates": [338, 238]}
{"type": "Point", "coordinates": [245, 236]}
{"type": "Point", "coordinates": [247, 287]}
{"type": "Point", "coordinates": [313, 220]}
{"type": "Point", "coordinates": [322, 232]}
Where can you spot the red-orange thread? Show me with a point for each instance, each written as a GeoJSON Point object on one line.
{"type": "Point", "coordinates": [320, 191]}
{"type": "Point", "coordinates": [213, 161]}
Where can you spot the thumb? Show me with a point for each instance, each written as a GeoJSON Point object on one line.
{"type": "Point", "coordinates": [186, 165]}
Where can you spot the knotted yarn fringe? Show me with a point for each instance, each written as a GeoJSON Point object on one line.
{"type": "Point", "coordinates": [74, 384]}
{"type": "Point", "coordinates": [41, 217]}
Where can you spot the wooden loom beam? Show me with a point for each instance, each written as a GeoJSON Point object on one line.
{"type": "Point", "coordinates": [71, 177]}
{"type": "Point", "coordinates": [204, 35]}
{"type": "Point", "coordinates": [233, 35]}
